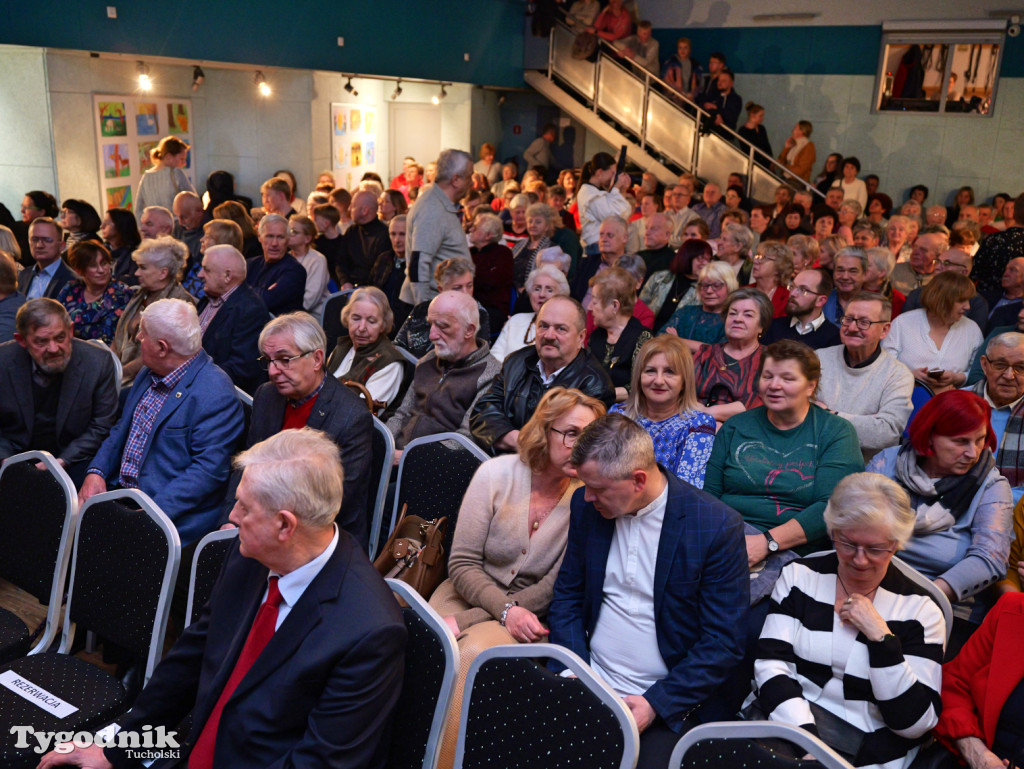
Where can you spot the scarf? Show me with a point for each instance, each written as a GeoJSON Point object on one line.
{"type": "Point", "coordinates": [367, 361]}
{"type": "Point", "coordinates": [802, 142]}
{"type": "Point", "coordinates": [938, 504]}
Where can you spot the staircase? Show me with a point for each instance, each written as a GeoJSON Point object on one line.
{"type": "Point", "coordinates": [625, 104]}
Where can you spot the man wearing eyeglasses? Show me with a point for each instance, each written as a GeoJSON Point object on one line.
{"type": "Point", "coordinates": [955, 260]}
{"type": "Point", "coordinates": [804, 320]}
{"type": "Point", "coordinates": [1003, 389]}
{"type": "Point", "coordinates": [863, 383]}
{"type": "Point", "coordinates": [49, 274]}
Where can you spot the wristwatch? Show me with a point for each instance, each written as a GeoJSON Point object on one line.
{"type": "Point", "coordinates": [773, 546]}
{"type": "Point", "coordinates": [504, 612]}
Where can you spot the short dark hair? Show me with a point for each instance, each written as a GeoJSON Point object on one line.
{"type": "Point", "coordinates": [920, 187]}
{"type": "Point", "coordinates": [853, 161]}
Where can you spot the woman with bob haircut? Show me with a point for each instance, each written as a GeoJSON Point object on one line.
{"type": "Point", "coordinates": [663, 401]}
{"type": "Point", "coordinates": [366, 355]}
{"type": "Point", "coordinates": [852, 648]}
{"type": "Point", "coordinates": [701, 324]}
{"type": "Point", "coordinates": [96, 301]}
{"type": "Point", "coordinates": [120, 234]}
{"type": "Point", "coordinates": [963, 505]}
{"type": "Point", "coordinates": [512, 530]}
{"type": "Point", "coordinates": [937, 342]}
{"type": "Point", "coordinates": [520, 330]}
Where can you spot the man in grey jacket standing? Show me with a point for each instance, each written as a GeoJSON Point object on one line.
{"type": "Point", "coordinates": [434, 228]}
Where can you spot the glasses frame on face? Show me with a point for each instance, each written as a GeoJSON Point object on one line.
{"type": "Point", "coordinates": [283, 364]}
{"type": "Point", "coordinates": [36, 240]}
{"type": "Point", "coordinates": [716, 286]}
{"type": "Point", "coordinates": [568, 438]}
{"type": "Point", "coordinates": [763, 258]}
{"type": "Point", "coordinates": [862, 323]}
{"type": "Point", "coordinates": [795, 288]}
{"type": "Point", "coordinates": [1002, 366]}
{"type": "Point", "coordinates": [850, 550]}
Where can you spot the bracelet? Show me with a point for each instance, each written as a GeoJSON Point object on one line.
{"type": "Point", "coordinates": [504, 612]}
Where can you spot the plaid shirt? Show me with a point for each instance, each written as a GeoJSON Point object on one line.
{"type": "Point", "coordinates": [143, 420]}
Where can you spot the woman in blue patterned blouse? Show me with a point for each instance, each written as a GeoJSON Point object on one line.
{"type": "Point", "coordinates": [95, 301]}
{"type": "Point", "coordinates": [663, 401]}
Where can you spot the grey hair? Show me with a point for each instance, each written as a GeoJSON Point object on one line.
{"type": "Point", "coordinates": [164, 212]}
{"type": "Point", "coordinates": [452, 163]}
{"type": "Point", "coordinates": [163, 252]}
{"type": "Point", "coordinates": [522, 200]}
{"type": "Point", "coordinates": [306, 333]}
{"type": "Point", "coordinates": [633, 264]}
{"type": "Point", "coordinates": [743, 235]}
{"type": "Point", "coordinates": [176, 322]}
{"type": "Point", "coordinates": [550, 271]}
{"type": "Point", "coordinates": [36, 313]}
{"type": "Point", "coordinates": [369, 185]}
{"type": "Point", "coordinates": [864, 500]}
{"type": "Point", "coordinates": [400, 218]}
{"type": "Point", "coordinates": [617, 220]}
{"type": "Point", "coordinates": [853, 251]}
{"type": "Point", "coordinates": [224, 251]}
{"type": "Point", "coordinates": [853, 206]}
{"type": "Point", "coordinates": [295, 470]}
{"type": "Point", "coordinates": [556, 257]}
{"type": "Point", "coordinates": [1006, 339]}
{"type": "Point", "coordinates": [466, 309]}
{"type": "Point", "coordinates": [490, 225]}
{"type": "Point", "coordinates": [617, 445]}
{"type": "Point", "coordinates": [882, 258]}
{"type": "Point", "coordinates": [269, 219]}
{"type": "Point", "coordinates": [377, 297]}
{"type": "Point", "coordinates": [764, 305]}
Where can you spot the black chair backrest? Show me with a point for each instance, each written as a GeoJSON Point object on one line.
{"type": "Point", "coordinates": [209, 558]}
{"type": "Point", "coordinates": [121, 555]}
{"type": "Point", "coordinates": [33, 507]}
{"type": "Point", "coordinates": [435, 476]}
{"type": "Point", "coordinates": [333, 327]}
{"type": "Point", "coordinates": [519, 708]}
{"type": "Point", "coordinates": [424, 674]}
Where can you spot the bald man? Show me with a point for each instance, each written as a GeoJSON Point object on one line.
{"type": "Point", "coordinates": [362, 243]}
{"type": "Point", "coordinates": [231, 316]}
{"type": "Point", "coordinates": [188, 208]}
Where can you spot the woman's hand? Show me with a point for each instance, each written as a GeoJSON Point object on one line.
{"type": "Point", "coordinates": [523, 625]}
{"type": "Point", "coordinates": [857, 610]}
{"type": "Point", "coordinates": [671, 330]}
{"type": "Point", "coordinates": [757, 548]}
{"type": "Point", "coordinates": [978, 756]}
{"type": "Point", "coordinates": [452, 625]}
{"type": "Point", "coordinates": [623, 182]}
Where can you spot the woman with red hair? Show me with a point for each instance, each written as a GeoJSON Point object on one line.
{"type": "Point", "coordinates": [962, 503]}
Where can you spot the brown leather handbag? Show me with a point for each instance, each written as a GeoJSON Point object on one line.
{"type": "Point", "coordinates": [414, 553]}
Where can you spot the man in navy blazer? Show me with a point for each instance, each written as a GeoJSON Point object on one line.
{"type": "Point", "coordinates": [321, 691]}
{"type": "Point", "coordinates": [180, 425]}
{"type": "Point", "coordinates": [276, 276]}
{"type": "Point", "coordinates": [49, 274]}
{"type": "Point", "coordinates": [654, 588]}
{"type": "Point", "coordinates": [231, 315]}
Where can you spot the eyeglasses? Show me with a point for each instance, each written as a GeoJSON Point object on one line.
{"type": "Point", "coordinates": [795, 289]}
{"type": "Point", "coordinates": [1000, 366]}
{"type": "Point", "coordinates": [37, 241]}
{"type": "Point", "coordinates": [862, 323]}
{"type": "Point", "coordinates": [763, 258]}
{"type": "Point", "coordinates": [717, 286]}
{"type": "Point", "coordinates": [849, 550]}
{"type": "Point", "coordinates": [283, 364]}
{"type": "Point", "coordinates": [568, 437]}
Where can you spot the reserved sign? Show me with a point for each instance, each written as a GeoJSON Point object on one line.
{"type": "Point", "coordinates": [36, 694]}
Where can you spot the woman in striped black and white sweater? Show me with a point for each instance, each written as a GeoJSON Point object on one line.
{"type": "Point", "coordinates": [852, 649]}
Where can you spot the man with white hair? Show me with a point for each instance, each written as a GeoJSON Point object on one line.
{"type": "Point", "coordinates": [156, 221]}
{"type": "Point", "coordinates": [297, 659]}
{"type": "Point", "coordinates": [611, 244]}
{"type": "Point", "coordinates": [231, 316]}
{"type": "Point", "coordinates": [276, 276]}
{"type": "Point", "coordinates": [434, 228]}
{"type": "Point", "coordinates": [657, 253]}
{"type": "Point", "coordinates": [1003, 390]}
{"type": "Point", "coordinates": [180, 425]}
{"type": "Point", "coordinates": [450, 378]}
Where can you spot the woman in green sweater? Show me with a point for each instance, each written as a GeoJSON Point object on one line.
{"type": "Point", "coordinates": [778, 463]}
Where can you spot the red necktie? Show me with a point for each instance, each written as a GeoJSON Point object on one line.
{"type": "Point", "coordinates": [259, 636]}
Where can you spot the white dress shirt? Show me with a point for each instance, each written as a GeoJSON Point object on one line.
{"type": "Point", "coordinates": [293, 584]}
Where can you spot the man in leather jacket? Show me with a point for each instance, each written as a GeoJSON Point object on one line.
{"type": "Point", "coordinates": [557, 359]}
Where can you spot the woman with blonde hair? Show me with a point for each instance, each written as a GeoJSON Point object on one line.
{"type": "Point", "coordinates": [702, 323]}
{"type": "Point", "coordinates": [773, 270]}
{"type": "Point", "coordinates": [805, 252]}
{"type": "Point", "coordinates": [663, 401]}
{"type": "Point", "coordinates": [165, 179]}
{"type": "Point", "coordinates": [366, 355]}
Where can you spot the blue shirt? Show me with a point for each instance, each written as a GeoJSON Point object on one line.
{"type": "Point", "coordinates": [41, 279]}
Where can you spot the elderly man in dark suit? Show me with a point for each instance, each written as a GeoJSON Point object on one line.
{"type": "Point", "coordinates": [231, 316]}
{"type": "Point", "coordinates": [298, 658]}
{"type": "Point", "coordinates": [60, 392]}
{"type": "Point", "coordinates": [49, 274]}
{"type": "Point", "coordinates": [654, 587]}
{"type": "Point", "coordinates": [299, 394]}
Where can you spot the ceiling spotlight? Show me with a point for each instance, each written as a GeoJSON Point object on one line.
{"type": "Point", "coordinates": [351, 88]}
{"type": "Point", "coordinates": [198, 76]}
{"type": "Point", "coordinates": [436, 98]}
{"type": "Point", "coordinates": [261, 84]}
{"type": "Point", "coordinates": [145, 81]}
{"type": "Point", "coordinates": [398, 90]}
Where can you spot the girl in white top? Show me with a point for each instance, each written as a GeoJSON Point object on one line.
{"type": "Point", "coordinates": [596, 202]}
{"type": "Point", "coordinates": [852, 187]}
{"type": "Point", "coordinates": [938, 338]}
{"type": "Point", "coordinates": [165, 179]}
{"type": "Point", "coordinates": [301, 233]}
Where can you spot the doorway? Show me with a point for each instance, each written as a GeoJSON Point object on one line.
{"type": "Point", "coordinates": [415, 131]}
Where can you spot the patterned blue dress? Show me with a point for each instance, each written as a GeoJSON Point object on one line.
{"type": "Point", "coordinates": [682, 443]}
{"type": "Point", "coordinates": [95, 320]}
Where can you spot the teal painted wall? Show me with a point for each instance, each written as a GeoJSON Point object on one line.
{"type": "Point", "coordinates": [412, 38]}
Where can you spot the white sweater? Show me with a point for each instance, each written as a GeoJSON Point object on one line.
{"type": "Point", "coordinates": [597, 205]}
{"type": "Point", "coordinates": [874, 399]}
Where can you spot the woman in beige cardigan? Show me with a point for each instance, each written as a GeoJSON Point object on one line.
{"type": "Point", "coordinates": [511, 536]}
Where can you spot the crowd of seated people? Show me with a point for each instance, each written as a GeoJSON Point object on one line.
{"type": "Point", "coordinates": [749, 373]}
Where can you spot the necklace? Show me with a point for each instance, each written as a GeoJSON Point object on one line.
{"type": "Point", "coordinates": [539, 516]}
{"type": "Point", "coordinates": [847, 590]}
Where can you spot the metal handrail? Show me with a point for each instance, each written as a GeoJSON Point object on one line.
{"type": "Point", "coordinates": [607, 55]}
